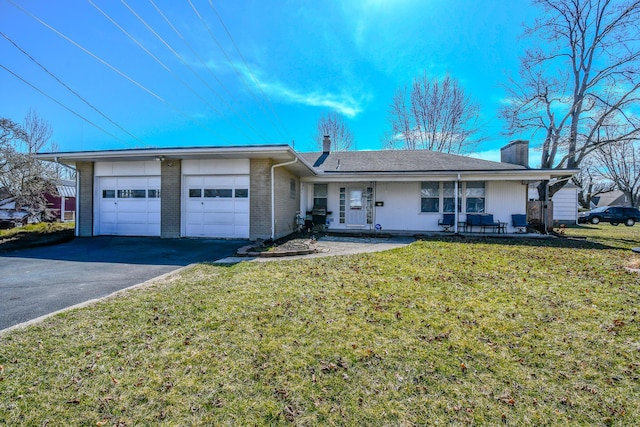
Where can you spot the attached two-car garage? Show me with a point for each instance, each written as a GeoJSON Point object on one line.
{"type": "Point", "coordinates": [214, 198]}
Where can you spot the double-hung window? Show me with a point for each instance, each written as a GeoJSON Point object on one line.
{"type": "Point", "coordinates": [475, 196]}
{"type": "Point", "coordinates": [430, 197]}
{"type": "Point", "coordinates": [440, 197]}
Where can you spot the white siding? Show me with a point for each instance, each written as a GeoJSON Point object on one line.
{"type": "Point", "coordinates": [506, 198]}
{"type": "Point", "coordinates": [137, 168]}
{"type": "Point", "coordinates": [215, 166]}
{"type": "Point", "coordinates": [401, 209]}
{"type": "Point", "coordinates": [565, 205]}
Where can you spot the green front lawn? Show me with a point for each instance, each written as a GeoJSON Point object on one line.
{"type": "Point", "coordinates": [444, 331]}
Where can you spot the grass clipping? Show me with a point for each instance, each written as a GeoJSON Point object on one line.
{"type": "Point", "coordinates": [438, 332]}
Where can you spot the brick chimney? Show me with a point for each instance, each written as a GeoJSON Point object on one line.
{"type": "Point", "coordinates": [516, 152]}
{"type": "Point", "coordinates": [326, 145]}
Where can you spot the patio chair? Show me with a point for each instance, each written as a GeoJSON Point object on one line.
{"type": "Point", "coordinates": [519, 221]}
{"type": "Point", "coordinates": [486, 221]}
{"type": "Point", "coordinates": [473, 220]}
{"type": "Point", "coordinates": [447, 221]}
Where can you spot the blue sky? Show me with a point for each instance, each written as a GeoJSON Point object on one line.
{"type": "Point", "coordinates": [308, 57]}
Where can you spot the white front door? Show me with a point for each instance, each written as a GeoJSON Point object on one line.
{"type": "Point", "coordinates": [216, 206]}
{"type": "Point", "coordinates": [128, 206]}
{"type": "Point", "coordinates": [356, 207]}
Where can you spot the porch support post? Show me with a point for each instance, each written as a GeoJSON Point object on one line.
{"type": "Point", "coordinates": [455, 205]}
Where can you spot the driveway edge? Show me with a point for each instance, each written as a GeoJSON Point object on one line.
{"type": "Point", "coordinates": [144, 284]}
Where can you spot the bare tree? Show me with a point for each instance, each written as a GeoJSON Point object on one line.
{"type": "Point", "coordinates": [591, 182]}
{"type": "Point", "coordinates": [21, 175]}
{"type": "Point", "coordinates": [433, 115]}
{"type": "Point", "coordinates": [581, 84]}
{"type": "Point", "coordinates": [334, 125]}
{"type": "Point", "coordinates": [620, 163]}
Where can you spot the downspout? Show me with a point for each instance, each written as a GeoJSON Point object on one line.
{"type": "Point", "coordinates": [455, 204]}
{"type": "Point", "coordinates": [273, 195]}
{"type": "Point", "coordinates": [75, 226]}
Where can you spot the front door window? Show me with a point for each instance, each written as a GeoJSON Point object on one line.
{"type": "Point", "coordinates": [357, 211]}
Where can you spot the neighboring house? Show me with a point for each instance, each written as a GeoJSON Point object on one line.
{"type": "Point", "coordinates": [62, 205]}
{"type": "Point", "coordinates": [259, 192]}
{"type": "Point", "coordinates": [565, 203]}
{"type": "Point", "coordinates": [610, 198]}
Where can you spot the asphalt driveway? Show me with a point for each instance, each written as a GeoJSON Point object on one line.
{"type": "Point", "coordinates": [39, 281]}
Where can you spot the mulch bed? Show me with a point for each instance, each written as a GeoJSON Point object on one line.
{"type": "Point", "coordinates": [288, 247]}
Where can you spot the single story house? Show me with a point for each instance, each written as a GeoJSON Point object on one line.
{"type": "Point", "coordinates": [261, 192]}
{"type": "Point", "coordinates": [610, 198]}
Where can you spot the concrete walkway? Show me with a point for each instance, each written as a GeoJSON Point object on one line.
{"type": "Point", "coordinates": [335, 245]}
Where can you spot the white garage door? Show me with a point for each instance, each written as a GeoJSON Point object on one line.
{"type": "Point", "coordinates": [216, 206]}
{"type": "Point", "coordinates": [129, 206]}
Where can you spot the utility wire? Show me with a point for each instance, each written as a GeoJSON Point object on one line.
{"type": "Point", "coordinates": [266, 98]}
{"type": "Point", "coordinates": [177, 55]}
{"type": "Point", "coordinates": [117, 71]}
{"type": "Point", "coordinates": [202, 20]}
{"type": "Point", "coordinates": [61, 104]}
{"type": "Point", "coordinates": [70, 89]}
{"type": "Point", "coordinates": [243, 114]}
{"type": "Point", "coordinates": [163, 65]}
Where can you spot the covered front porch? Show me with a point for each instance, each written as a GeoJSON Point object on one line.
{"type": "Point", "coordinates": [414, 206]}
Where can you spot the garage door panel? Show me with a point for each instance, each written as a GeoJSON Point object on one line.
{"type": "Point", "coordinates": [132, 183]}
{"type": "Point", "coordinates": [133, 218]}
{"type": "Point", "coordinates": [219, 205]}
{"type": "Point", "coordinates": [109, 182]}
{"type": "Point", "coordinates": [218, 230]}
{"type": "Point", "coordinates": [219, 218]}
{"type": "Point", "coordinates": [241, 205]}
{"type": "Point", "coordinates": [125, 208]}
{"type": "Point", "coordinates": [215, 208]}
{"type": "Point", "coordinates": [241, 219]}
{"type": "Point", "coordinates": [242, 231]}
{"type": "Point", "coordinates": [242, 181]}
{"type": "Point", "coordinates": [218, 181]}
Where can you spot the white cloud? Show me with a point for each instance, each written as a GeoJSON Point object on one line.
{"type": "Point", "coordinates": [493, 155]}
{"type": "Point", "coordinates": [343, 103]}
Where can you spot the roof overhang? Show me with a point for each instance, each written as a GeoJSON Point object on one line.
{"type": "Point", "coordinates": [278, 153]}
{"type": "Point", "coordinates": [524, 175]}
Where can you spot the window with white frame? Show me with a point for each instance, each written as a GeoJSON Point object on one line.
{"type": "Point", "coordinates": [430, 197]}
{"type": "Point", "coordinates": [475, 196]}
{"type": "Point", "coordinates": [439, 197]}
{"type": "Point", "coordinates": [448, 197]}
{"type": "Point", "coordinates": [343, 203]}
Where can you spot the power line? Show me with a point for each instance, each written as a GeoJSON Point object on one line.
{"type": "Point", "coordinates": [177, 55]}
{"type": "Point", "coordinates": [61, 104]}
{"type": "Point", "coordinates": [69, 89]}
{"type": "Point", "coordinates": [117, 71]}
{"type": "Point", "coordinates": [249, 68]}
{"type": "Point", "coordinates": [244, 115]}
{"type": "Point", "coordinates": [234, 67]}
{"type": "Point", "coordinates": [162, 64]}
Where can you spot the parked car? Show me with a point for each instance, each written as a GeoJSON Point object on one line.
{"type": "Point", "coordinates": [612, 214]}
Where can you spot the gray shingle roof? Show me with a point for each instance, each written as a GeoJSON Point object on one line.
{"type": "Point", "coordinates": [400, 161]}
